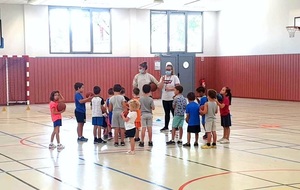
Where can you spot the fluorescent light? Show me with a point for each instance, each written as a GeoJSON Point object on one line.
{"type": "Point", "coordinates": [34, 2]}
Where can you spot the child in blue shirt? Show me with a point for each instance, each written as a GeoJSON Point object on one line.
{"type": "Point", "coordinates": [202, 99]}
{"type": "Point", "coordinates": [80, 110]}
{"type": "Point", "coordinates": [193, 119]}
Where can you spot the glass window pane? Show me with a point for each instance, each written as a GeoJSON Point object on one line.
{"type": "Point", "coordinates": [81, 30]}
{"type": "Point", "coordinates": [59, 31]}
{"type": "Point", "coordinates": [177, 32]}
{"type": "Point", "coordinates": [159, 32]}
{"type": "Point", "coordinates": [101, 32]}
{"type": "Point", "coordinates": [194, 33]}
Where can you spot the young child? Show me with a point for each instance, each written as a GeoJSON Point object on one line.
{"type": "Point", "coordinates": [225, 114]}
{"type": "Point", "coordinates": [179, 105]}
{"type": "Point", "coordinates": [137, 122]}
{"type": "Point", "coordinates": [107, 130]}
{"type": "Point", "coordinates": [97, 115]}
{"type": "Point", "coordinates": [147, 105]}
{"type": "Point", "coordinates": [134, 105]}
{"type": "Point", "coordinates": [193, 119]}
{"type": "Point", "coordinates": [55, 98]}
{"type": "Point", "coordinates": [201, 99]}
{"type": "Point", "coordinates": [210, 110]}
{"type": "Point", "coordinates": [80, 110]}
{"type": "Point", "coordinates": [116, 105]}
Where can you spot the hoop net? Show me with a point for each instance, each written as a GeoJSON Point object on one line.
{"type": "Point", "coordinates": [291, 30]}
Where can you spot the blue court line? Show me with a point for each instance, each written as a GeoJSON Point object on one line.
{"type": "Point", "coordinates": [130, 175]}
{"type": "Point", "coordinates": [113, 169]}
{"type": "Point", "coordinates": [34, 170]}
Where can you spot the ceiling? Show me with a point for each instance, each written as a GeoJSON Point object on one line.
{"type": "Point", "coordinates": [192, 5]}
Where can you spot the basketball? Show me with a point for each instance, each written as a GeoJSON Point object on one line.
{"type": "Point", "coordinates": [127, 105]}
{"type": "Point", "coordinates": [125, 113]}
{"type": "Point", "coordinates": [103, 109]}
{"type": "Point", "coordinates": [219, 97]}
{"type": "Point", "coordinates": [153, 86]}
{"type": "Point", "coordinates": [88, 94]}
{"type": "Point", "coordinates": [202, 107]}
{"type": "Point", "coordinates": [61, 106]}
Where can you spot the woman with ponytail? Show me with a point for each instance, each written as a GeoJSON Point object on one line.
{"type": "Point", "coordinates": [225, 114]}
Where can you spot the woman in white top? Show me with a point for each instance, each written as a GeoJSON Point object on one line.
{"type": "Point", "coordinates": [167, 83]}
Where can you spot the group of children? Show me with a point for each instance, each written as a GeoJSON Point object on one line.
{"type": "Point", "coordinates": [127, 117]}
{"type": "Point", "coordinates": [207, 107]}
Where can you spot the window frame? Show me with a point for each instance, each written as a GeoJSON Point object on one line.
{"type": "Point", "coordinates": [90, 10]}
{"type": "Point", "coordinates": [168, 13]}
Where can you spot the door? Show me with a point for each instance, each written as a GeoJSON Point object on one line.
{"type": "Point", "coordinates": [183, 65]}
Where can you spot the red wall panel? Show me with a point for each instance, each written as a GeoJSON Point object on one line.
{"type": "Point", "coordinates": [48, 74]}
{"type": "Point", "coordinates": [264, 76]}
{"type": "Point", "coordinates": [16, 79]}
{"type": "Point", "coordinates": [205, 69]}
{"type": "Point", "coordinates": [2, 82]}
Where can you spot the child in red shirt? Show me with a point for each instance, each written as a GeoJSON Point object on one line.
{"type": "Point", "coordinates": [55, 98]}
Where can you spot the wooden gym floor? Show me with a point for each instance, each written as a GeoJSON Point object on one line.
{"type": "Point", "coordinates": [264, 153]}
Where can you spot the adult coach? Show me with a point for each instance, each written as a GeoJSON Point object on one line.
{"type": "Point", "coordinates": [143, 77]}
{"type": "Point", "coordinates": [167, 84]}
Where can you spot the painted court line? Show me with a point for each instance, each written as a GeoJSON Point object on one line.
{"type": "Point", "coordinates": [240, 172]}
{"type": "Point", "coordinates": [129, 175]}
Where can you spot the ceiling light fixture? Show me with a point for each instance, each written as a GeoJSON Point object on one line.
{"type": "Point", "coordinates": [34, 2]}
{"type": "Point", "coordinates": [191, 2]}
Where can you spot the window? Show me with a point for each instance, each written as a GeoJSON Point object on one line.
{"type": "Point", "coordinates": [176, 31]}
{"type": "Point", "coordinates": [74, 30]}
{"type": "Point", "coordinates": [159, 32]}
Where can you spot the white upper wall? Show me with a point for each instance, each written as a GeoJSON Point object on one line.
{"type": "Point", "coordinates": [26, 32]}
{"type": "Point", "coordinates": [12, 29]}
{"type": "Point", "coordinates": [243, 27]}
{"type": "Point", "coordinates": [255, 27]}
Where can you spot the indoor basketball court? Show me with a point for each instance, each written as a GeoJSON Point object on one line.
{"type": "Point", "coordinates": [263, 153]}
{"type": "Point", "coordinates": [250, 46]}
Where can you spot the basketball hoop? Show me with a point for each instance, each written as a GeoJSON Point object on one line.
{"type": "Point", "coordinates": [291, 30]}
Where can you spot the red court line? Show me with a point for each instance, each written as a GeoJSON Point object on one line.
{"type": "Point", "coordinates": [22, 141]}
{"type": "Point", "coordinates": [246, 171]}
{"type": "Point", "coordinates": [9, 145]}
{"type": "Point", "coordinates": [270, 126]}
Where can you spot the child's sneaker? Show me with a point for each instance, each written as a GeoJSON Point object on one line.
{"type": "Point", "coordinates": [105, 137]}
{"type": "Point", "coordinates": [141, 144]}
{"type": "Point", "coordinates": [186, 145]}
{"type": "Point", "coordinates": [95, 141]}
{"type": "Point", "coordinates": [150, 143]}
{"type": "Point", "coordinates": [82, 139]}
{"type": "Point", "coordinates": [52, 146]}
{"type": "Point", "coordinates": [205, 146]}
{"type": "Point", "coordinates": [99, 140]}
{"type": "Point", "coordinates": [137, 139]}
{"type": "Point", "coordinates": [225, 141]}
{"type": "Point", "coordinates": [171, 142]}
{"type": "Point", "coordinates": [116, 144]}
{"type": "Point", "coordinates": [60, 147]}
{"type": "Point", "coordinates": [196, 144]}
{"type": "Point", "coordinates": [179, 142]}
{"type": "Point", "coordinates": [122, 143]}
{"type": "Point", "coordinates": [110, 136]}
{"type": "Point", "coordinates": [130, 152]}
{"type": "Point", "coordinates": [220, 140]}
